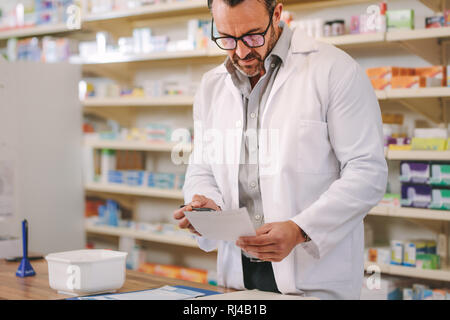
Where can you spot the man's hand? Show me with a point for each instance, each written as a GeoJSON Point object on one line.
{"type": "Point", "coordinates": [198, 201]}
{"type": "Point", "coordinates": [273, 241]}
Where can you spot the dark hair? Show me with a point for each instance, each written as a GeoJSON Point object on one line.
{"type": "Point", "coordinates": [270, 4]}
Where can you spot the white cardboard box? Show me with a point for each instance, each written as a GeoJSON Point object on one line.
{"type": "Point", "coordinates": [9, 247]}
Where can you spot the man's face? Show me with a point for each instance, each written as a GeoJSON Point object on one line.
{"type": "Point", "coordinates": [250, 16]}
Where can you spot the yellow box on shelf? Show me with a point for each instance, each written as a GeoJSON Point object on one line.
{"type": "Point", "coordinates": [434, 144]}
{"type": "Point", "coordinates": [397, 147]}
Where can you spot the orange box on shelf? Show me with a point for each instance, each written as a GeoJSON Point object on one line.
{"type": "Point", "coordinates": [175, 272]}
{"type": "Point", "coordinates": [381, 83]}
{"type": "Point", "coordinates": [433, 72]}
{"type": "Point", "coordinates": [408, 82]}
{"type": "Point", "coordinates": [195, 275]}
{"type": "Point", "coordinates": [382, 72]}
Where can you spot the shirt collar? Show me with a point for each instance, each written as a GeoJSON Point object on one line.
{"type": "Point", "coordinates": [281, 49]}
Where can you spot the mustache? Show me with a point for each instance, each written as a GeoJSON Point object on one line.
{"type": "Point", "coordinates": [250, 56]}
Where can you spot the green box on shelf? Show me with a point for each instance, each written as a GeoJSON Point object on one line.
{"type": "Point", "coordinates": [440, 174]}
{"type": "Point", "coordinates": [400, 19]}
{"type": "Point", "coordinates": [428, 261]}
{"type": "Point", "coordinates": [440, 199]}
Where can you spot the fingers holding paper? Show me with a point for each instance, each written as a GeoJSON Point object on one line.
{"type": "Point", "coordinates": [273, 241]}
{"type": "Point", "coordinates": [198, 201]}
{"type": "Point", "coordinates": [183, 222]}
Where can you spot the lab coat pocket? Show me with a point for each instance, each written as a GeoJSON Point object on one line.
{"type": "Point", "coordinates": [334, 267]}
{"type": "Point", "coordinates": [314, 153]}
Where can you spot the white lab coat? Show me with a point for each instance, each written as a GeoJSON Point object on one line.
{"type": "Point", "coordinates": [329, 169]}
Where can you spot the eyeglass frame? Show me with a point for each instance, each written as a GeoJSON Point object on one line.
{"type": "Point", "coordinates": [236, 39]}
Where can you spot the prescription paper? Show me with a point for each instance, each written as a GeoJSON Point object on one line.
{"type": "Point", "coordinates": [222, 225]}
{"type": "Point", "coordinates": [163, 293]}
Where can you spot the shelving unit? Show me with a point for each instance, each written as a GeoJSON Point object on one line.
{"type": "Point", "coordinates": [41, 30]}
{"type": "Point", "coordinates": [425, 43]}
{"type": "Point", "coordinates": [176, 240]}
{"type": "Point", "coordinates": [169, 101]}
{"type": "Point", "coordinates": [439, 275]}
{"type": "Point", "coordinates": [135, 145]}
{"type": "Point", "coordinates": [134, 191]}
{"type": "Point", "coordinates": [411, 213]}
{"type": "Point", "coordinates": [418, 155]}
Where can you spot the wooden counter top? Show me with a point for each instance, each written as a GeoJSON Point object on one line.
{"type": "Point", "coordinates": [38, 288]}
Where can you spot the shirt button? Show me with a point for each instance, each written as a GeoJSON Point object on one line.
{"type": "Point", "coordinates": [253, 184]}
{"type": "Point", "coordinates": [257, 217]}
{"type": "Point", "coordinates": [273, 65]}
{"type": "Point", "coordinates": [253, 115]}
{"type": "Point", "coordinates": [238, 123]}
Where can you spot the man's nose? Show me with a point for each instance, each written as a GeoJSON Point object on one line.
{"type": "Point", "coordinates": [242, 50]}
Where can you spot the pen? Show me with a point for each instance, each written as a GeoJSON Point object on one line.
{"type": "Point", "coordinates": [196, 209]}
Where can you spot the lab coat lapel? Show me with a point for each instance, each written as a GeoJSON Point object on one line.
{"type": "Point", "coordinates": [237, 118]}
{"type": "Point", "coordinates": [284, 271]}
{"type": "Point", "coordinates": [283, 74]}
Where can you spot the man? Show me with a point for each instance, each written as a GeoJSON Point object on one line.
{"type": "Point", "coordinates": [311, 162]}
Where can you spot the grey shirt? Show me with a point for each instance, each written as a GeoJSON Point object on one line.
{"type": "Point", "coordinates": [254, 101]}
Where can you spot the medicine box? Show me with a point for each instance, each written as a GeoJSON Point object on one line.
{"type": "Point", "coordinates": [388, 72]}
{"type": "Point", "coordinates": [400, 19]}
{"type": "Point", "coordinates": [436, 75]}
{"type": "Point", "coordinates": [408, 82]}
{"type": "Point", "coordinates": [433, 144]}
{"type": "Point", "coordinates": [381, 84]}
{"type": "Point", "coordinates": [440, 174]}
{"type": "Point", "coordinates": [415, 195]}
{"type": "Point", "coordinates": [434, 22]}
{"type": "Point", "coordinates": [397, 248]}
{"type": "Point", "coordinates": [414, 172]}
{"type": "Point", "coordinates": [440, 199]}
{"type": "Point", "coordinates": [161, 180]}
{"type": "Point", "coordinates": [428, 261]}
{"type": "Point", "coordinates": [135, 177]}
{"type": "Point", "coordinates": [115, 176]}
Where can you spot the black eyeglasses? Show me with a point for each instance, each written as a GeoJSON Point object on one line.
{"type": "Point", "coordinates": [251, 40]}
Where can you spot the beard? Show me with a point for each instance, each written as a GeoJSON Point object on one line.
{"type": "Point", "coordinates": [253, 71]}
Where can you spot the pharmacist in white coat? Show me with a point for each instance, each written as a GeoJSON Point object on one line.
{"type": "Point", "coordinates": [306, 114]}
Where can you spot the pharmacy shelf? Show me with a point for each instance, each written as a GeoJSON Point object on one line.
{"type": "Point", "coordinates": [341, 41]}
{"type": "Point", "coordinates": [142, 235]}
{"type": "Point", "coordinates": [410, 213]}
{"type": "Point", "coordinates": [440, 275]}
{"type": "Point", "coordinates": [41, 30]}
{"type": "Point", "coordinates": [435, 92]}
{"type": "Point", "coordinates": [168, 101]}
{"type": "Point", "coordinates": [355, 39]}
{"type": "Point", "coordinates": [115, 58]}
{"type": "Point", "coordinates": [135, 191]}
{"type": "Point", "coordinates": [159, 10]}
{"type": "Point", "coordinates": [418, 155]}
{"type": "Point", "coordinates": [183, 8]}
{"type": "Point", "coordinates": [418, 34]}
{"type": "Point", "coordinates": [134, 145]}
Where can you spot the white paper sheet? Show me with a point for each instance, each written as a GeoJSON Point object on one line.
{"type": "Point", "coordinates": [253, 295]}
{"type": "Point", "coordinates": [163, 293]}
{"type": "Point", "coordinates": [222, 225]}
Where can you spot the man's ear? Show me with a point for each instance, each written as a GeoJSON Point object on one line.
{"type": "Point", "coordinates": [277, 14]}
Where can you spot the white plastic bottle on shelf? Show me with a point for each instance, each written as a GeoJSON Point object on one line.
{"type": "Point", "coordinates": [108, 162]}
{"type": "Point", "coordinates": [381, 21]}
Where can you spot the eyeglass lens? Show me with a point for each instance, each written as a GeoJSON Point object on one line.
{"type": "Point", "coordinates": [251, 41]}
